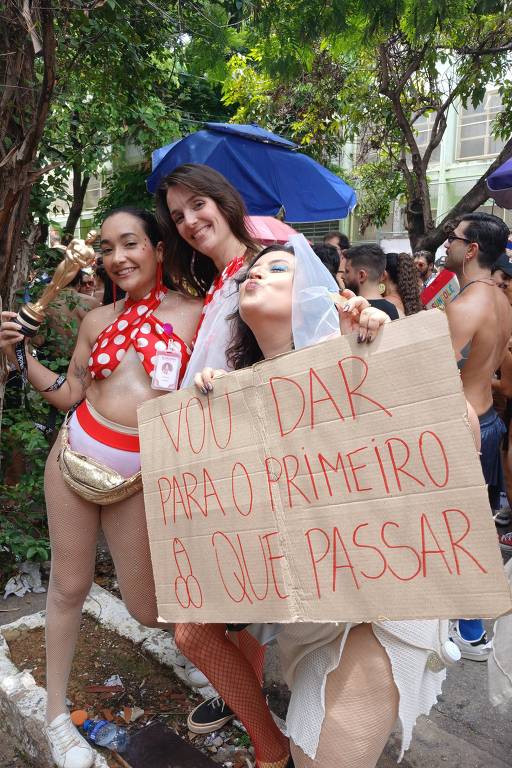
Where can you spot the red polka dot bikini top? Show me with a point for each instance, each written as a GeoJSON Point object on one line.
{"type": "Point", "coordinates": [136, 326]}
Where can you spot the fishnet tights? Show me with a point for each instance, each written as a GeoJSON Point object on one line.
{"type": "Point", "coordinates": [74, 525]}
{"type": "Point", "coordinates": [361, 707]}
{"type": "Point", "coordinates": [251, 650]}
{"type": "Point", "coordinates": [239, 684]}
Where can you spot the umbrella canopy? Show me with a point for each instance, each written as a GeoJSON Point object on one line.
{"type": "Point", "coordinates": [266, 169]}
{"type": "Point", "coordinates": [499, 184]}
{"type": "Point", "coordinates": [267, 230]}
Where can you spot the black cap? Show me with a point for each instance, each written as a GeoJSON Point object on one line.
{"type": "Point", "coordinates": [504, 262]}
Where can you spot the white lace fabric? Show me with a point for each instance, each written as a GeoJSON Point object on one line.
{"type": "Point", "coordinates": [310, 651]}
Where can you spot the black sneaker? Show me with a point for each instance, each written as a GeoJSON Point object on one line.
{"type": "Point", "coordinates": [209, 716]}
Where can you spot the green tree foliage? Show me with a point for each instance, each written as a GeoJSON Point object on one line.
{"type": "Point", "coordinates": [132, 74]}
{"type": "Point", "coordinates": [125, 186]}
{"type": "Point", "coordinates": [80, 82]}
{"type": "Point", "coordinates": [334, 71]}
{"type": "Point", "coordinates": [116, 73]}
{"type": "Point", "coordinates": [24, 449]}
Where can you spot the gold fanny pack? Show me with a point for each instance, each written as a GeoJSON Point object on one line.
{"type": "Point", "coordinates": [91, 480]}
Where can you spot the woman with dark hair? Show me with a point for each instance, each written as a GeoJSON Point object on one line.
{"type": "Point", "coordinates": [202, 219]}
{"type": "Point", "coordinates": [348, 682]}
{"type": "Point", "coordinates": [92, 474]}
{"type": "Point", "coordinates": [401, 282]}
{"type": "Point", "coordinates": [207, 242]}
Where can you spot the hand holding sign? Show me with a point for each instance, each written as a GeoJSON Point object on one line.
{"type": "Point", "coordinates": [356, 314]}
{"type": "Point", "coordinates": [326, 484]}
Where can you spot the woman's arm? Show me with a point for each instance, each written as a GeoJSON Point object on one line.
{"type": "Point", "coordinates": [78, 377]}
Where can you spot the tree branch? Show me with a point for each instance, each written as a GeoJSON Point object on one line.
{"type": "Point", "coordinates": [28, 148]}
{"type": "Point", "coordinates": [35, 175]}
{"type": "Point", "coordinates": [393, 94]}
{"type": "Point", "coordinates": [439, 126]}
{"type": "Point", "coordinates": [475, 197]}
{"type": "Point", "coordinates": [477, 51]}
{"type": "Point", "coordinates": [7, 100]}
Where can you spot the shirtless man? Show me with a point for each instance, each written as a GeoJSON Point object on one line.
{"type": "Point", "coordinates": [480, 319]}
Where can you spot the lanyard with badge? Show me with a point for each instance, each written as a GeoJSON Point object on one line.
{"type": "Point", "coordinates": [167, 365]}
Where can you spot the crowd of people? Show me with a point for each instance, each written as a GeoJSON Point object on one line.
{"type": "Point", "coordinates": [170, 285]}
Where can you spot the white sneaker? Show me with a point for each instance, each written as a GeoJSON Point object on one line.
{"type": "Point", "coordinates": [196, 678]}
{"type": "Point", "coordinates": [502, 516]}
{"type": "Point", "coordinates": [69, 749]}
{"type": "Point", "coordinates": [474, 650]}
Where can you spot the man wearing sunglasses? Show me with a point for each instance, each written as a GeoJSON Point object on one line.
{"type": "Point", "coordinates": [480, 319]}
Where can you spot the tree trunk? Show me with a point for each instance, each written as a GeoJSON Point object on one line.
{"type": "Point", "coordinates": [415, 223]}
{"type": "Point", "coordinates": [24, 104]}
{"type": "Point", "coordinates": [473, 199]}
{"type": "Point", "coordinates": [80, 184]}
{"type": "Point", "coordinates": [23, 111]}
{"type": "Point", "coordinates": [15, 265]}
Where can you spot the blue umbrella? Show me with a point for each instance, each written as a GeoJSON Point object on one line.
{"type": "Point", "coordinates": [499, 183]}
{"type": "Point", "coordinates": [266, 169]}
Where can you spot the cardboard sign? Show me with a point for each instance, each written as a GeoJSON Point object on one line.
{"type": "Point", "coordinates": [338, 483]}
{"type": "Point", "coordinates": [443, 289]}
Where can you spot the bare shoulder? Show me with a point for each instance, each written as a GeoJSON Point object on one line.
{"type": "Point", "coordinates": [97, 319]}
{"type": "Point", "coordinates": [473, 303]}
{"type": "Point", "coordinates": [463, 307]}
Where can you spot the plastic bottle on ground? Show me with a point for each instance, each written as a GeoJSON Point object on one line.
{"type": "Point", "coordinates": [105, 734]}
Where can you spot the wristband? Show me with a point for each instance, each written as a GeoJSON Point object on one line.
{"type": "Point", "coordinates": [21, 358]}
{"type": "Point", "coordinates": [57, 384]}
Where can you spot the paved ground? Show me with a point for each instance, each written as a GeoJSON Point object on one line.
{"type": "Point", "coordinates": [462, 731]}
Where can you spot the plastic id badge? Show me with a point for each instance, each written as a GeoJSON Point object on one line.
{"type": "Point", "coordinates": [167, 370]}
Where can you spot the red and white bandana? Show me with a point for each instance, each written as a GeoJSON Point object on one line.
{"type": "Point", "coordinates": [136, 326]}
{"type": "Point", "coordinates": [229, 270]}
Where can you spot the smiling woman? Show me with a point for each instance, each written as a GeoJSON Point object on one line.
{"type": "Point", "coordinates": [131, 244]}
{"type": "Point", "coordinates": [202, 219]}
{"type": "Point", "coordinates": [207, 241]}
{"type": "Point", "coordinates": [110, 375]}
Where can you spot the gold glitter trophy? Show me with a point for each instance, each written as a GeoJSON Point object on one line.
{"type": "Point", "coordinates": [77, 255]}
